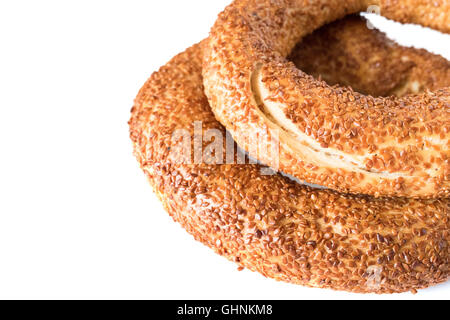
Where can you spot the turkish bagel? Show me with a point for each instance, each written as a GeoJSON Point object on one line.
{"type": "Point", "coordinates": [329, 136]}
{"type": "Point", "coordinates": [272, 224]}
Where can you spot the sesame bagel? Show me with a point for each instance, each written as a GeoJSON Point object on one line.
{"type": "Point", "coordinates": [269, 223]}
{"type": "Point", "coordinates": [330, 136]}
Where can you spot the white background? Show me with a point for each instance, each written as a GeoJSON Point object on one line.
{"type": "Point", "coordinates": [77, 217]}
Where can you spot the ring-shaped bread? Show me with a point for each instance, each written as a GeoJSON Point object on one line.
{"type": "Point", "coordinates": [330, 136]}
{"type": "Point", "coordinates": [273, 225]}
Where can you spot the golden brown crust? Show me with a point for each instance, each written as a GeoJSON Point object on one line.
{"type": "Point", "coordinates": [428, 13]}
{"type": "Point", "coordinates": [334, 137]}
{"type": "Point", "coordinates": [271, 224]}
{"type": "Point", "coordinates": [368, 61]}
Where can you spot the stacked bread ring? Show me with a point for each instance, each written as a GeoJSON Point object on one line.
{"type": "Point", "coordinates": [334, 137]}
{"type": "Point", "coordinates": [270, 223]}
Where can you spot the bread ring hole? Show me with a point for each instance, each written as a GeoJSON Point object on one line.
{"type": "Point", "coordinates": [363, 58]}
